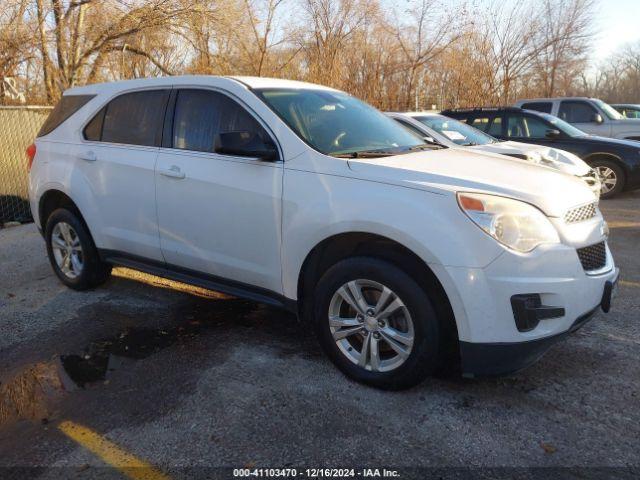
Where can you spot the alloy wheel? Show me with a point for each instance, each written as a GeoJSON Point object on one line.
{"type": "Point", "coordinates": [67, 250]}
{"type": "Point", "coordinates": [371, 325]}
{"type": "Point", "coordinates": [608, 178]}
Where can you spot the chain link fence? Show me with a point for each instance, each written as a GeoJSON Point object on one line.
{"type": "Point", "coordinates": [18, 129]}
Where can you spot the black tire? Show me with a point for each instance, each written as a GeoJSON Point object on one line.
{"type": "Point", "coordinates": [94, 272]}
{"type": "Point", "coordinates": [617, 171]}
{"type": "Point", "coordinates": [424, 358]}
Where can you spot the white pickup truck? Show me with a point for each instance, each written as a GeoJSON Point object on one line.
{"type": "Point", "coordinates": [590, 115]}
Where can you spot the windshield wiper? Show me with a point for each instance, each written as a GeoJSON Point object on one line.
{"type": "Point", "coordinates": [385, 153]}
{"type": "Point", "coordinates": [364, 154]}
{"type": "Point", "coordinates": [424, 146]}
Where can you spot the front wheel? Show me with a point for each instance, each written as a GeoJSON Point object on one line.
{"type": "Point", "coordinates": [376, 324]}
{"type": "Point", "coordinates": [611, 176]}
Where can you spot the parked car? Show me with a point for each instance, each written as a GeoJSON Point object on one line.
{"type": "Point", "coordinates": [453, 133]}
{"type": "Point", "coordinates": [616, 161]}
{"type": "Point", "coordinates": [590, 115]}
{"type": "Point", "coordinates": [628, 110]}
{"type": "Point", "coordinates": [403, 256]}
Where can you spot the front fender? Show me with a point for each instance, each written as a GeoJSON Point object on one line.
{"type": "Point", "coordinates": [431, 225]}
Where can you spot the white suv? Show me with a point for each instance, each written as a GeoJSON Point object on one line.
{"type": "Point", "coordinates": [404, 256]}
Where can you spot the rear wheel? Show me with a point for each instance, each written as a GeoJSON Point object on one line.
{"type": "Point", "coordinates": [376, 324]}
{"type": "Point", "coordinates": [72, 253]}
{"type": "Point", "coordinates": [611, 176]}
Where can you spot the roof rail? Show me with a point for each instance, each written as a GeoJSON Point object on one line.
{"type": "Point", "coordinates": [482, 109]}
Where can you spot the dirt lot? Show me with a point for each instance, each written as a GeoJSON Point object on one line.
{"type": "Point", "coordinates": [199, 380]}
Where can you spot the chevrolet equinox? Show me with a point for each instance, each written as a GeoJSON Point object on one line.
{"type": "Point", "coordinates": [406, 257]}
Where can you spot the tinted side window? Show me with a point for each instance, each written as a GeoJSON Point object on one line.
{"type": "Point", "coordinates": [67, 106]}
{"type": "Point", "coordinates": [93, 130]}
{"type": "Point", "coordinates": [526, 127]}
{"type": "Point", "coordinates": [544, 107]}
{"type": "Point", "coordinates": [201, 114]}
{"type": "Point", "coordinates": [576, 112]}
{"type": "Point", "coordinates": [135, 118]}
{"type": "Point", "coordinates": [490, 124]}
{"type": "Point", "coordinates": [495, 130]}
{"type": "Point", "coordinates": [481, 123]}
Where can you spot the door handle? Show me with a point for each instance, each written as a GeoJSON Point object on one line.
{"type": "Point", "coordinates": [89, 156]}
{"type": "Point", "coordinates": [173, 172]}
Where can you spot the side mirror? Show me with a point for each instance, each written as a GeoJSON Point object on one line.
{"type": "Point", "coordinates": [552, 133]}
{"type": "Point", "coordinates": [245, 144]}
{"type": "Point", "coordinates": [597, 118]}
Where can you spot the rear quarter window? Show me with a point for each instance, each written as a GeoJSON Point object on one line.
{"type": "Point", "coordinates": [93, 130]}
{"type": "Point", "coordinates": [67, 106]}
{"type": "Point", "coordinates": [544, 107]}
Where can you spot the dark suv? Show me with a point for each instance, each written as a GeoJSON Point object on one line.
{"type": "Point", "coordinates": [616, 161]}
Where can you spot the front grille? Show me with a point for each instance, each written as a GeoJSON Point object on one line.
{"type": "Point", "coordinates": [593, 257]}
{"type": "Point", "coordinates": [580, 214]}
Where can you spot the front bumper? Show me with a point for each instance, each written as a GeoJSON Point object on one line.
{"type": "Point", "coordinates": [491, 341]}
{"type": "Point", "coordinates": [489, 359]}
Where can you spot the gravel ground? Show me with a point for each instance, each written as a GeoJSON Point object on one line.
{"type": "Point", "coordinates": [218, 381]}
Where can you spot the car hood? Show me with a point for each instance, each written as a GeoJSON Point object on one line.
{"type": "Point", "coordinates": [547, 156]}
{"type": "Point", "coordinates": [452, 170]}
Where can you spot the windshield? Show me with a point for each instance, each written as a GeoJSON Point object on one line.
{"type": "Point", "coordinates": [335, 123]}
{"type": "Point", "coordinates": [456, 131]}
{"type": "Point", "coordinates": [563, 126]}
{"type": "Point", "coordinates": [608, 110]}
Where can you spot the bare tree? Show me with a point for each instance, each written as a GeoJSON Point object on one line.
{"type": "Point", "coordinates": [429, 52]}
{"type": "Point", "coordinates": [430, 30]}
{"type": "Point", "coordinates": [332, 24]}
{"type": "Point", "coordinates": [512, 31]}
{"type": "Point", "coordinates": [567, 31]}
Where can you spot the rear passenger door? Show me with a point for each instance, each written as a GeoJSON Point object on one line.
{"type": "Point", "coordinates": [219, 214]}
{"type": "Point", "coordinates": [117, 159]}
{"type": "Point", "coordinates": [582, 115]}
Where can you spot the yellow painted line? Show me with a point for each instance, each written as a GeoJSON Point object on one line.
{"type": "Point", "coordinates": [623, 224]}
{"type": "Point", "coordinates": [110, 453]}
{"type": "Point", "coordinates": [627, 283]}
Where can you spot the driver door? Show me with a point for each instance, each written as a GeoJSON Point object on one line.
{"type": "Point", "coordinates": [218, 215]}
{"type": "Point", "coordinates": [582, 115]}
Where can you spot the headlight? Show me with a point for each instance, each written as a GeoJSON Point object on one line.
{"type": "Point", "coordinates": [515, 224]}
{"type": "Point", "coordinates": [534, 157]}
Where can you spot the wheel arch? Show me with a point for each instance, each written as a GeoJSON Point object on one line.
{"type": "Point", "coordinates": [592, 157]}
{"type": "Point", "coordinates": [344, 245]}
{"type": "Point", "coordinates": [53, 199]}
{"type": "Point", "coordinates": [626, 171]}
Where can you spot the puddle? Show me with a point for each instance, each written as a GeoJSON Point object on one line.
{"type": "Point", "coordinates": [105, 356]}
{"type": "Point", "coordinates": [28, 394]}
{"type": "Point", "coordinates": [102, 357]}
{"type": "Point", "coordinates": [34, 390]}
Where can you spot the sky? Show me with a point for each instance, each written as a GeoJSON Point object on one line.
{"type": "Point", "coordinates": [618, 22]}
